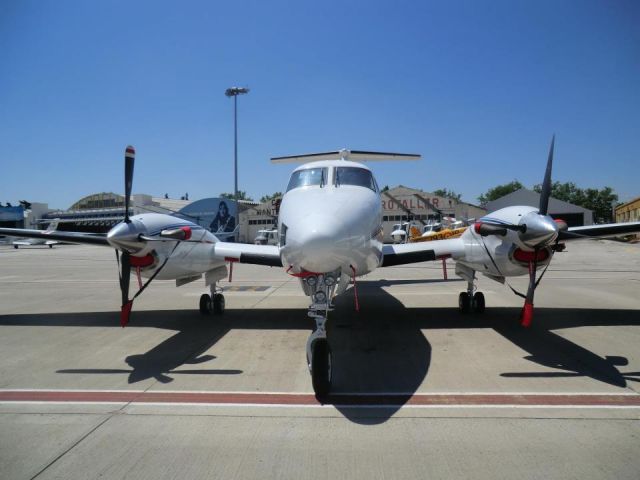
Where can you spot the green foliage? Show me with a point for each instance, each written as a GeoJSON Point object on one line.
{"type": "Point", "coordinates": [385, 188]}
{"type": "Point", "coordinates": [499, 191]}
{"type": "Point", "coordinates": [600, 201]}
{"type": "Point", "coordinates": [443, 192]}
{"type": "Point", "coordinates": [242, 195]}
{"type": "Point", "coordinates": [266, 198]}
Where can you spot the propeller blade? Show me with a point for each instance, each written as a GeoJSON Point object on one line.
{"type": "Point", "coordinates": [546, 184]}
{"type": "Point", "coordinates": [129, 159]}
{"type": "Point", "coordinates": [125, 278]}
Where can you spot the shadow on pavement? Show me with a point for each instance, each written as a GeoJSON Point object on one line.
{"type": "Point", "coordinates": [383, 349]}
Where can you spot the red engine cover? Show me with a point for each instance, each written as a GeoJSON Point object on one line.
{"type": "Point", "coordinates": [526, 257]}
{"type": "Point", "coordinates": [142, 261]}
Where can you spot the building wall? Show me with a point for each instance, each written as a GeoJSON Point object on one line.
{"type": "Point", "coordinates": [403, 203]}
{"type": "Point", "coordinates": [628, 212]}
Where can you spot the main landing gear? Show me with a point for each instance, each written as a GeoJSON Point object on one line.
{"type": "Point", "coordinates": [320, 288]}
{"type": "Point", "coordinates": [471, 300]}
{"type": "Point", "coordinates": [213, 303]}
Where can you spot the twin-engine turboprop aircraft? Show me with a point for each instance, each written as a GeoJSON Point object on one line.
{"type": "Point", "coordinates": [330, 226]}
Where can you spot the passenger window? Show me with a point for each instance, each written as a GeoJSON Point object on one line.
{"type": "Point", "coordinates": [308, 177]}
{"type": "Point", "coordinates": [355, 176]}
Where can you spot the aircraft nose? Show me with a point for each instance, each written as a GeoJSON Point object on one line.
{"type": "Point", "coordinates": [315, 244]}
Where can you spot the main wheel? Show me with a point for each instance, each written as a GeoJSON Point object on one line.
{"type": "Point", "coordinates": [218, 303]}
{"type": "Point", "coordinates": [464, 302]}
{"type": "Point", "coordinates": [321, 367]}
{"type": "Point", "coordinates": [478, 302]}
{"type": "Point", "coordinates": [51, 245]}
{"type": "Point", "coordinates": [15, 246]}
{"type": "Point", "coordinates": [205, 304]}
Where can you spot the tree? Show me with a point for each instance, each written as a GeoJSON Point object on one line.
{"type": "Point", "coordinates": [443, 192]}
{"type": "Point", "coordinates": [273, 196]}
{"type": "Point", "coordinates": [601, 202]}
{"type": "Point", "coordinates": [242, 195]}
{"type": "Point", "coordinates": [500, 191]}
{"type": "Point", "coordinates": [385, 188]}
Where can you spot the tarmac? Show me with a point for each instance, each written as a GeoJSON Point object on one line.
{"type": "Point", "coordinates": [420, 390]}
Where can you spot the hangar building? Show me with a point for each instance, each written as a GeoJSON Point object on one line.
{"type": "Point", "coordinates": [574, 215]}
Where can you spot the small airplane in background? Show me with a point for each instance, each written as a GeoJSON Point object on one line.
{"type": "Point", "coordinates": [28, 242]}
{"type": "Point", "coordinates": [330, 233]}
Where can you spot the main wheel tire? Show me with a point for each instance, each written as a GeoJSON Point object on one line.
{"type": "Point", "coordinates": [464, 302]}
{"type": "Point", "coordinates": [205, 304]}
{"type": "Point", "coordinates": [321, 368]}
{"type": "Point", "coordinates": [15, 246]}
{"type": "Point", "coordinates": [218, 303]}
{"type": "Point", "coordinates": [478, 302]}
{"type": "Point", "coordinates": [50, 245]}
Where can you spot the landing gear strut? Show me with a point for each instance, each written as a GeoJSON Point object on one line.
{"type": "Point", "coordinates": [213, 303]}
{"type": "Point", "coordinates": [471, 300]}
{"type": "Point", "coordinates": [319, 360]}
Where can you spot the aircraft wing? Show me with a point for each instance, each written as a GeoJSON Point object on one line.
{"type": "Point", "coordinates": [600, 231]}
{"type": "Point", "coordinates": [247, 253]}
{"type": "Point", "coordinates": [71, 237]}
{"type": "Point", "coordinates": [421, 252]}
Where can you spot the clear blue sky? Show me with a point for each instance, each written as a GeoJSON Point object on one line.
{"type": "Point", "coordinates": [476, 87]}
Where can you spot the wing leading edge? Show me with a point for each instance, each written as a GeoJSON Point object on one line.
{"type": "Point", "coordinates": [421, 252]}
{"type": "Point", "coordinates": [268, 255]}
{"type": "Point", "coordinates": [600, 231]}
{"type": "Point", "coordinates": [71, 237]}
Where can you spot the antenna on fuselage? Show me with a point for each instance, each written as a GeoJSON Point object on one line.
{"type": "Point", "coordinates": [345, 154]}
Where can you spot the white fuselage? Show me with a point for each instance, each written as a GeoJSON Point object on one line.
{"type": "Point", "coordinates": [333, 226]}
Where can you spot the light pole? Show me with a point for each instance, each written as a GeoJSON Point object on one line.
{"type": "Point", "coordinates": [234, 92]}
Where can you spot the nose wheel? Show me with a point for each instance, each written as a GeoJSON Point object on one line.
{"type": "Point", "coordinates": [320, 367]}
{"type": "Point", "coordinates": [319, 358]}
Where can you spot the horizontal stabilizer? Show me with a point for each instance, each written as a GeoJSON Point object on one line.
{"type": "Point", "coordinates": [353, 155]}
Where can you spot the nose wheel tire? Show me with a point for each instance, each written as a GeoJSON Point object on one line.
{"type": "Point", "coordinates": [218, 303]}
{"type": "Point", "coordinates": [478, 302]}
{"type": "Point", "coordinates": [321, 367]}
{"type": "Point", "coordinates": [464, 302]}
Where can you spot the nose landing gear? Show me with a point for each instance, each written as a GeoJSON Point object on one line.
{"type": "Point", "coordinates": [319, 358]}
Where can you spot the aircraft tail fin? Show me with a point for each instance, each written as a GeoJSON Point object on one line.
{"type": "Point", "coordinates": [53, 226]}
{"type": "Point", "coordinates": [344, 154]}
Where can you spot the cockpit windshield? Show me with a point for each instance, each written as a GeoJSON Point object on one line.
{"type": "Point", "coordinates": [308, 177]}
{"type": "Point", "coordinates": [355, 176]}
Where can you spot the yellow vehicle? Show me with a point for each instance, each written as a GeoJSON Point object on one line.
{"type": "Point", "coordinates": [449, 228]}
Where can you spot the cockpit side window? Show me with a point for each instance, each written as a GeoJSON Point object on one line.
{"type": "Point", "coordinates": [355, 176]}
{"type": "Point", "coordinates": [308, 177]}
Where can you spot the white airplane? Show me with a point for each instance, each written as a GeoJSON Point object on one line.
{"type": "Point", "coordinates": [27, 242]}
{"type": "Point", "coordinates": [330, 226]}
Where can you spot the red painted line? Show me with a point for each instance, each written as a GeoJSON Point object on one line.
{"type": "Point", "coordinates": [444, 400]}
